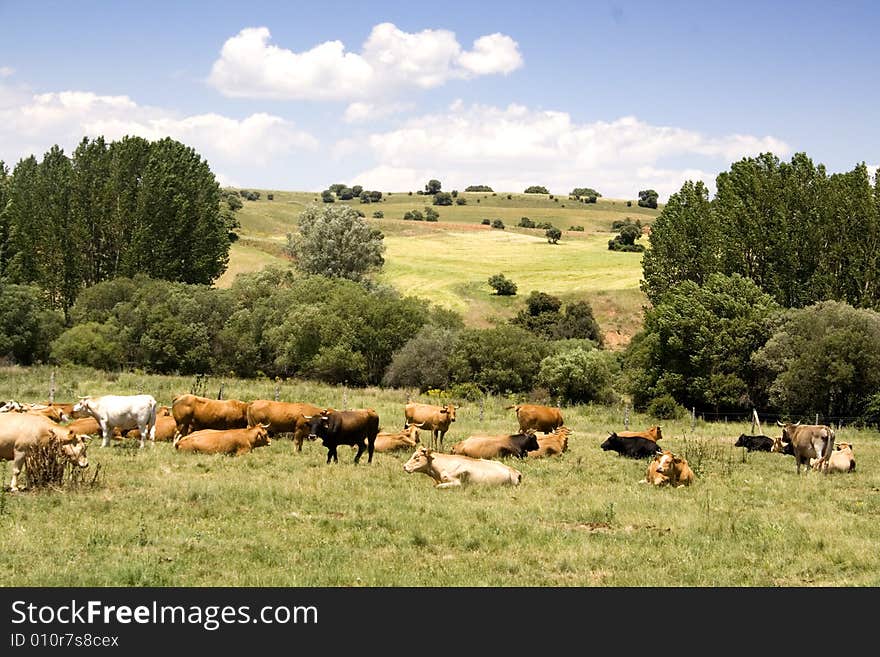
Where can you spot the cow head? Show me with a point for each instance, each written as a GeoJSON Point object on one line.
{"type": "Point", "coordinates": [666, 462]}
{"type": "Point", "coordinates": [531, 442]}
{"type": "Point", "coordinates": [261, 435]}
{"type": "Point", "coordinates": [83, 407]}
{"type": "Point", "coordinates": [449, 412]}
{"type": "Point", "coordinates": [412, 432]}
{"type": "Point", "coordinates": [611, 442]}
{"type": "Point", "coordinates": [317, 423]}
{"type": "Point", "coordinates": [658, 435]}
{"type": "Point", "coordinates": [420, 461]}
{"type": "Point", "coordinates": [75, 451]}
{"type": "Point", "coordinates": [741, 441]}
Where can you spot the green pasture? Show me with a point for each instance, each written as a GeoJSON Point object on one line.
{"type": "Point", "coordinates": [449, 262]}
{"type": "Point", "coordinates": [276, 517]}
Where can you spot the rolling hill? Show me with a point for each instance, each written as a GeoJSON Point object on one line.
{"type": "Point", "coordinates": [448, 262]}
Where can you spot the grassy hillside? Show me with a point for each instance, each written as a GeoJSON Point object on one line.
{"type": "Point", "coordinates": [449, 262]}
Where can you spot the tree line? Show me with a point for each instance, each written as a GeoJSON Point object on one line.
{"type": "Point", "coordinates": [109, 210]}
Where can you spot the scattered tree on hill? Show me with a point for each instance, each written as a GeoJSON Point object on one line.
{"type": "Point", "coordinates": [502, 285]}
{"type": "Point", "coordinates": [626, 238]}
{"type": "Point", "coordinates": [334, 241]}
{"type": "Point", "coordinates": [478, 188]}
{"type": "Point", "coordinates": [327, 196]}
{"type": "Point", "coordinates": [525, 222]}
{"type": "Point", "coordinates": [442, 198]}
{"type": "Point", "coordinates": [553, 235]}
{"type": "Point", "coordinates": [586, 192]}
{"type": "Point", "coordinates": [536, 189]}
{"type": "Point", "coordinates": [433, 186]}
{"type": "Point", "coordinates": [497, 223]}
{"type": "Point", "coordinates": [648, 198]}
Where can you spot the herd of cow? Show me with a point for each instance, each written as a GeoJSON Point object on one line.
{"type": "Point", "coordinates": [233, 427]}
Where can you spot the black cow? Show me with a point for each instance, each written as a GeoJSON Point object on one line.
{"type": "Point", "coordinates": [631, 447]}
{"type": "Point", "coordinates": [358, 427]}
{"type": "Point", "coordinates": [754, 443]}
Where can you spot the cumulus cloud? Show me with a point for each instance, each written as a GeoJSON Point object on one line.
{"type": "Point", "coordinates": [64, 118]}
{"type": "Point", "coordinates": [360, 112]}
{"type": "Point", "coordinates": [514, 147]}
{"type": "Point", "coordinates": [6, 71]}
{"type": "Point", "coordinates": [391, 59]}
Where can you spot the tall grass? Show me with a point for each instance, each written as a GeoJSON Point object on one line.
{"type": "Point", "coordinates": [276, 517]}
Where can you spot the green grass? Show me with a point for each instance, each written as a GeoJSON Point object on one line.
{"type": "Point", "coordinates": [449, 262]}
{"type": "Point", "coordinates": [280, 518]}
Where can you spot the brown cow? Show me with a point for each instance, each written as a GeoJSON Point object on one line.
{"type": "Point", "coordinates": [491, 447]}
{"type": "Point", "coordinates": [652, 433]}
{"type": "Point", "coordinates": [21, 432]}
{"type": "Point", "coordinates": [166, 429]}
{"type": "Point", "coordinates": [53, 413]}
{"type": "Point", "coordinates": [232, 442]}
{"type": "Point", "coordinates": [282, 417]}
{"type": "Point", "coordinates": [667, 469]}
{"type": "Point", "coordinates": [805, 442]}
{"type": "Point", "coordinates": [435, 419]}
{"type": "Point", "coordinates": [193, 413]}
{"type": "Point", "coordinates": [537, 418]}
{"type": "Point", "coordinates": [552, 444]}
{"type": "Point", "coordinates": [404, 439]}
{"type": "Point", "coordinates": [841, 460]}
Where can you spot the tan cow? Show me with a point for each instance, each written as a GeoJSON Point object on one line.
{"type": "Point", "coordinates": [652, 433]}
{"type": "Point", "coordinates": [21, 432]}
{"type": "Point", "coordinates": [232, 442]}
{"type": "Point", "coordinates": [435, 419]}
{"type": "Point", "coordinates": [391, 441]}
{"type": "Point", "coordinates": [193, 413]}
{"type": "Point", "coordinates": [552, 444]}
{"type": "Point", "coordinates": [493, 447]}
{"type": "Point", "coordinates": [537, 418]}
{"type": "Point", "coordinates": [282, 417]}
{"type": "Point", "coordinates": [841, 459]}
{"type": "Point", "coordinates": [667, 469]}
{"type": "Point", "coordinates": [805, 442]}
{"type": "Point", "coordinates": [451, 470]}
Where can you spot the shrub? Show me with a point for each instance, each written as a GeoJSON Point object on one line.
{"type": "Point", "coordinates": [378, 214]}
{"type": "Point", "coordinates": [502, 285]}
{"type": "Point", "coordinates": [579, 229]}
{"type": "Point", "coordinates": [580, 376]}
{"type": "Point", "coordinates": [485, 222]}
{"type": "Point", "coordinates": [461, 200]}
{"type": "Point", "coordinates": [536, 189]}
{"type": "Point", "coordinates": [553, 235]}
{"type": "Point", "coordinates": [665, 407]}
{"type": "Point", "coordinates": [525, 222]}
{"type": "Point", "coordinates": [497, 223]}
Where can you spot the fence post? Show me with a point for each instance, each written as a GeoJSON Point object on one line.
{"type": "Point", "coordinates": [52, 387]}
{"type": "Point", "coordinates": [482, 405]}
{"type": "Point", "coordinates": [817, 419]}
{"type": "Point", "coordinates": [220, 392]}
{"type": "Point", "coordinates": [277, 391]}
{"type": "Point", "coordinates": [693, 418]}
{"type": "Point", "coordinates": [345, 396]}
{"type": "Point", "coordinates": [626, 416]}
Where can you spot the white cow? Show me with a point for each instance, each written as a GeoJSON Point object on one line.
{"type": "Point", "coordinates": [450, 470]}
{"type": "Point", "coordinates": [123, 412]}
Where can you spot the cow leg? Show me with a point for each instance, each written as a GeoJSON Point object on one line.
{"type": "Point", "coordinates": [361, 447]}
{"type": "Point", "coordinates": [18, 459]}
{"type": "Point", "coordinates": [106, 430]}
{"type": "Point", "coordinates": [447, 481]}
{"type": "Point", "coordinates": [331, 454]}
{"type": "Point", "coordinates": [371, 443]}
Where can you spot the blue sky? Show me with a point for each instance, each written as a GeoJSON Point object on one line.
{"type": "Point", "coordinates": [615, 95]}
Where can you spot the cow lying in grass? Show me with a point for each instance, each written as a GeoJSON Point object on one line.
{"type": "Point", "coordinates": [667, 469]}
{"type": "Point", "coordinates": [232, 442]}
{"type": "Point", "coordinates": [841, 459]}
{"type": "Point", "coordinates": [491, 447]}
{"type": "Point", "coordinates": [451, 470]}
{"type": "Point", "coordinates": [552, 445]}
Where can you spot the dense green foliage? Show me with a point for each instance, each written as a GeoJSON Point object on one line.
{"type": "Point", "coordinates": [648, 198]}
{"type": "Point", "coordinates": [587, 192]}
{"type": "Point", "coordinates": [131, 206]}
{"type": "Point", "coordinates": [580, 375]}
{"type": "Point", "coordinates": [545, 316]}
{"type": "Point", "coordinates": [478, 188]}
{"type": "Point", "coordinates": [536, 189]}
{"type": "Point", "coordinates": [502, 285]}
{"type": "Point", "coordinates": [27, 324]}
{"type": "Point", "coordinates": [334, 241]}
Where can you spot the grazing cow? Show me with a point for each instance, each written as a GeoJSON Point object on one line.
{"type": "Point", "coordinates": [450, 470]}
{"type": "Point", "coordinates": [552, 444]}
{"type": "Point", "coordinates": [123, 412]}
{"type": "Point", "coordinates": [358, 427]}
{"type": "Point", "coordinates": [754, 443]}
{"type": "Point", "coordinates": [653, 433]}
{"type": "Point", "coordinates": [193, 413]}
{"type": "Point", "coordinates": [634, 448]}
{"type": "Point", "coordinates": [490, 447]}
{"type": "Point", "coordinates": [535, 417]}
{"type": "Point", "coordinates": [435, 419]}
{"type": "Point", "coordinates": [21, 432]}
{"type": "Point", "coordinates": [841, 460]}
{"type": "Point", "coordinates": [391, 441]}
{"type": "Point", "coordinates": [232, 442]}
{"type": "Point", "coordinates": [667, 469]}
{"type": "Point", "coordinates": [282, 417]}
{"type": "Point", "coordinates": [805, 442]}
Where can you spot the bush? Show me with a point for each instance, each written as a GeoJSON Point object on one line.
{"type": "Point", "coordinates": [423, 362]}
{"type": "Point", "coordinates": [502, 285]}
{"type": "Point", "coordinates": [497, 223]}
{"type": "Point", "coordinates": [378, 214]}
{"type": "Point", "coordinates": [468, 391]}
{"type": "Point", "coordinates": [27, 324]}
{"type": "Point", "coordinates": [580, 376]}
{"type": "Point", "coordinates": [485, 222]}
{"type": "Point", "coordinates": [665, 407]}
{"type": "Point", "coordinates": [431, 214]}
{"type": "Point", "coordinates": [442, 198]}
{"type": "Point", "coordinates": [579, 229]}
{"type": "Point", "coordinates": [536, 189]}
{"type": "Point", "coordinates": [413, 215]}
{"type": "Point", "coordinates": [271, 197]}
{"type": "Point", "coordinates": [461, 200]}
{"type": "Point", "coordinates": [525, 222]}
{"type": "Point", "coordinates": [92, 344]}
{"type": "Point", "coordinates": [478, 188]}
{"type": "Point", "coordinates": [553, 235]}
{"type": "Point", "coordinates": [498, 360]}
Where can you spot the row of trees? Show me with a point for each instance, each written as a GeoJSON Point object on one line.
{"type": "Point", "coordinates": [111, 209]}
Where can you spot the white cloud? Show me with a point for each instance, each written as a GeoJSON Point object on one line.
{"type": "Point", "coordinates": [6, 71]}
{"type": "Point", "coordinates": [361, 112]}
{"type": "Point", "coordinates": [514, 147]}
{"type": "Point", "coordinates": [251, 66]}
{"type": "Point", "coordinates": [64, 118]}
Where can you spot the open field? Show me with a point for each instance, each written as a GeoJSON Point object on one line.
{"type": "Point", "coordinates": [280, 518]}
{"type": "Point", "coordinates": [448, 262]}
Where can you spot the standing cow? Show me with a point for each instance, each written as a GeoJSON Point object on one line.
{"type": "Point", "coordinates": [435, 419]}
{"type": "Point", "coordinates": [20, 433]}
{"type": "Point", "coordinates": [282, 417]}
{"type": "Point", "coordinates": [805, 442]}
{"type": "Point", "coordinates": [192, 413]}
{"type": "Point", "coordinates": [535, 417]}
{"type": "Point", "coordinates": [123, 412]}
{"type": "Point", "coordinates": [358, 427]}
